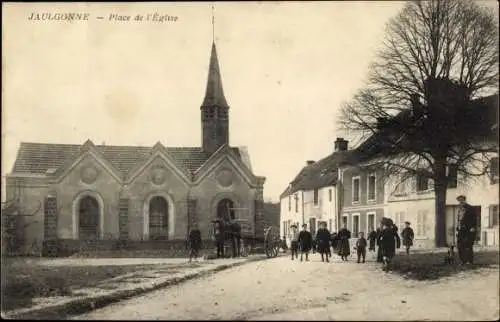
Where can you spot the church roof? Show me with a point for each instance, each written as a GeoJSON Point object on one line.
{"type": "Point", "coordinates": [37, 158]}
{"type": "Point", "coordinates": [214, 94]}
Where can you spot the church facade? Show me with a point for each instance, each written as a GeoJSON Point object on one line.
{"type": "Point", "coordinates": [77, 193]}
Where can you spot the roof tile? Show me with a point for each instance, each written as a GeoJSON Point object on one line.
{"type": "Point", "coordinates": [37, 158]}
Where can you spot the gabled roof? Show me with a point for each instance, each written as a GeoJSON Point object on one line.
{"type": "Point", "coordinates": [37, 158]}
{"type": "Point", "coordinates": [480, 119]}
{"type": "Point", "coordinates": [214, 94]}
{"type": "Point", "coordinates": [320, 174]}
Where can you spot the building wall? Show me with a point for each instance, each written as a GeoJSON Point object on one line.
{"type": "Point", "coordinates": [364, 207]}
{"type": "Point", "coordinates": [324, 210]}
{"type": "Point", "coordinates": [108, 191]}
{"type": "Point", "coordinates": [290, 213]}
{"type": "Point", "coordinates": [209, 192]}
{"type": "Point", "coordinates": [71, 188]}
{"type": "Point", "coordinates": [418, 207]}
{"type": "Point", "coordinates": [142, 189]}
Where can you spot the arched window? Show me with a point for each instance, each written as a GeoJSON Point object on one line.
{"type": "Point", "coordinates": [88, 218]}
{"type": "Point", "coordinates": [158, 218]}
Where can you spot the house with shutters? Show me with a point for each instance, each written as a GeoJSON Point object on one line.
{"type": "Point", "coordinates": [312, 196]}
{"type": "Point", "coordinates": [364, 191]}
{"type": "Point", "coordinates": [104, 193]}
{"type": "Point", "coordinates": [412, 198]}
{"type": "Point", "coordinates": [363, 195]}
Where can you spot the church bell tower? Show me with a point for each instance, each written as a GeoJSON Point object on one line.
{"type": "Point", "coordinates": [214, 110]}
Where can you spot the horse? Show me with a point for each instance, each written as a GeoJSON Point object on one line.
{"type": "Point", "coordinates": [228, 230]}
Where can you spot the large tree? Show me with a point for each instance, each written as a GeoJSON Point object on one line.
{"type": "Point", "coordinates": [419, 107]}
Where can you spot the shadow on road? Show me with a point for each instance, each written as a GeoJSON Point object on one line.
{"type": "Point", "coordinates": [431, 266]}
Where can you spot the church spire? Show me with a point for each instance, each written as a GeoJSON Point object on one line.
{"type": "Point", "coordinates": [214, 94]}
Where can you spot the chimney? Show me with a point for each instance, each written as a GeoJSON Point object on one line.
{"type": "Point", "coordinates": [309, 162]}
{"type": "Point", "coordinates": [341, 144]}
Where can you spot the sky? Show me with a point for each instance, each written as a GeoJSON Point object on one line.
{"type": "Point", "coordinates": [286, 68]}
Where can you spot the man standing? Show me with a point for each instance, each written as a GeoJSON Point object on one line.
{"type": "Point", "coordinates": [389, 241]}
{"type": "Point", "coordinates": [294, 237]}
{"type": "Point", "coordinates": [372, 238]}
{"type": "Point", "coordinates": [305, 242]}
{"type": "Point", "coordinates": [194, 242]}
{"type": "Point", "coordinates": [407, 235]}
{"type": "Point", "coordinates": [323, 240]}
{"type": "Point", "coordinates": [378, 240]}
{"type": "Point", "coordinates": [466, 231]}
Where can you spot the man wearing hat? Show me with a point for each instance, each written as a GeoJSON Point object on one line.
{"type": "Point", "coordinates": [294, 237]}
{"type": "Point", "coordinates": [408, 235]}
{"type": "Point", "coordinates": [466, 231]}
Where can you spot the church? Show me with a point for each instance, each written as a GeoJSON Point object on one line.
{"type": "Point", "coordinates": [75, 194]}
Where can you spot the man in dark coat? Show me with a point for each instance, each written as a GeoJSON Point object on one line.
{"type": "Point", "coordinates": [305, 242]}
{"type": "Point", "coordinates": [194, 242]}
{"type": "Point", "coordinates": [323, 241]}
{"type": "Point", "coordinates": [466, 231]}
{"type": "Point", "coordinates": [389, 241]}
{"type": "Point", "coordinates": [372, 239]}
{"type": "Point", "coordinates": [407, 235]}
{"type": "Point", "coordinates": [344, 248]}
{"type": "Point", "coordinates": [378, 239]}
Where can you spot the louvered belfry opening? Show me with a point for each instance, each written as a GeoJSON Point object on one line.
{"type": "Point", "coordinates": [88, 218]}
{"type": "Point", "coordinates": [158, 218]}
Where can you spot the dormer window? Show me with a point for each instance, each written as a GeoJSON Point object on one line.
{"type": "Point", "coordinates": [452, 176]}
{"type": "Point", "coordinates": [422, 182]}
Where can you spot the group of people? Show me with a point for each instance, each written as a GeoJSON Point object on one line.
{"type": "Point", "coordinates": [386, 238]}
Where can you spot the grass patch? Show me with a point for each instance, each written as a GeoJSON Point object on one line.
{"type": "Point", "coordinates": [431, 266]}
{"type": "Point", "coordinates": [23, 280]}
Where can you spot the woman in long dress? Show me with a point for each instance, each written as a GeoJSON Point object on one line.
{"type": "Point", "coordinates": [344, 248]}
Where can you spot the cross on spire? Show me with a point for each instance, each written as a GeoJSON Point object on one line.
{"type": "Point", "coordinates": [213, 24]}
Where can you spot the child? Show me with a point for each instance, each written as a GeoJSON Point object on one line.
{"type": "Point", "coordinates": [407, 235]}
{"type": "Point", "coordinates": [450, 256]}
{"type": "Point", "coordinates": [284, 246]}
{"type": "Point", "coordinates": [361, 246]}
{"type": "Point", "coordinates": [305, 242]}
{"type": "Point", "coordinates": [294, 236]}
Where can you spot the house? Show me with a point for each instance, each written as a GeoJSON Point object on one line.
{"type": "Point", "coordinates": [411, 197]}
{"type": "Point", "coordinates": [312, 196]}
{"type": "Point", "coordinates": [105, 193]}
{"type": "Point", "coordinates": [363, 195]}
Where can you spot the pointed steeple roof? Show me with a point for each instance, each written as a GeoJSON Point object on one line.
{"type": "Point", "coordinates": [214, 94]}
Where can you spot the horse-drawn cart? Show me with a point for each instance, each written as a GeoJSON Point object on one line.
{"type": "Point", "coordinates": [272, 241]}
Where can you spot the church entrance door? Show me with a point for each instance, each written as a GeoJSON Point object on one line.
{"type": "Point", "coordinates": [225, 210]}
{"type": "Point", "coordinates": [88, 218]}
{"type": "Point", "coordinates": [158, 218]}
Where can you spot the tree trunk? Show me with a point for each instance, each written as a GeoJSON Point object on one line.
{"type": "Point", "coordinates": [440, 186]}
